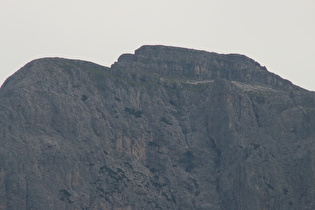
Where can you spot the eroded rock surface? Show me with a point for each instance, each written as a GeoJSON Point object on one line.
{"type": "Point", "coordinates": [164, 128]}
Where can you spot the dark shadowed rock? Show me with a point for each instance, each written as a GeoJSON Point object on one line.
{"type": "Point", "coordinates": [164, 128]}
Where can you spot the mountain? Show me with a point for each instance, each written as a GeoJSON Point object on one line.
{"type": "Point", "coordinates": [163, 128]}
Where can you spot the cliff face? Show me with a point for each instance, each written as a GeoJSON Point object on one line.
{"type": "Point", "coordinates": [166, 128]}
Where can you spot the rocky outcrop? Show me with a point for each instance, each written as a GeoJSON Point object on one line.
{"type": "Point", "coordinates": [198, 65]}
{"type": "Point", "coordinates": [164, 128]}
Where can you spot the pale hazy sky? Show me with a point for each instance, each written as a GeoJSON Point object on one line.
{"type": "Point", "coordinates": [279, 34]}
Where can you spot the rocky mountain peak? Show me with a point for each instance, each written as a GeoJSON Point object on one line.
{"type": "Point", "coordinates": [163, 128]}
{"type": "Point", "coordinates": [198, 65]}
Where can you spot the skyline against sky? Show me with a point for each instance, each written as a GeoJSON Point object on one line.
{"type": "Point", "coordinates": [277, 34]}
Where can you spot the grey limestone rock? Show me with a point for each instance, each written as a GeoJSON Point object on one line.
{"type": "Point", "coordinates": [164, 128]}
